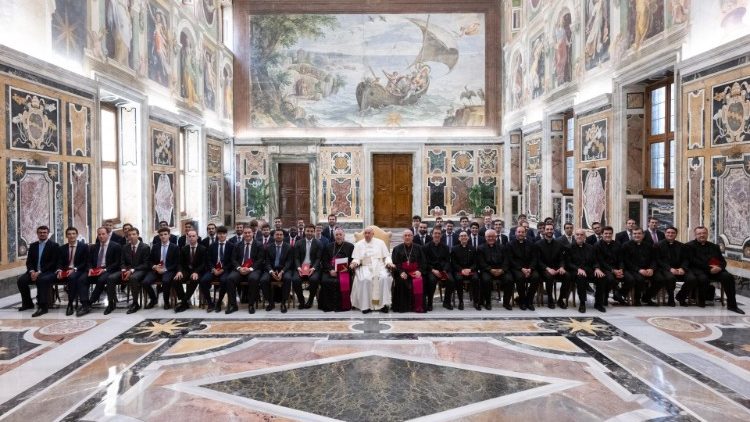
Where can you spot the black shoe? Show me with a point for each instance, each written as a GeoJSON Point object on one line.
{"type": "Point", "coordinates": [133, 309]}
{"type": "Point", "coordinates": [182, 307]}
{"type": "Point", "coordinates": [507, 306]}
{"type": "Point", "coordinates": [530, 306]}
{"type": "Point", "coordinates": [307, 305]}
{"type": "Point", "coordinates": [151, 303]}
{"type": "Point", "coordinates": [600, 308]}
{"type": "Point", "coordinates": [69, 310]}
{"type": "Point", "coordinates": [384, 309]}
{"type": "Point", "coordinates": [230, 309]}
{"type": "Point", "coordinates": [683, 302]}
{"type": "Point", "coordinates": [283, 308]}
{"type": "Point", "coordinates": [366, 311]}
{"type": "Point", "coordinates": [448, 306]}
{"type": "Point", "coordinates": [217, 307]}
{"type": "Point", "coordinates": [648, 302]}
{"type": "Point", "coordinates": [85, 309]}
{"type": "Point", "coordinates": [109, 309]}
{"type": "Point", "coordinates": [522, 306]}
{"type": "Point", "coordinates": [25, 307]}
{"type": "Point", "coordinates": [478, 307]}
{"type": "Point", "coordinates": [167, 306]}
{"type": "Point", "coordinates": [561, 304]}
{"type": "Point", "coordinates": [39, 312]}
{"type": "Point", "coordinates": [251, 309]}
{"type": "Point", "coordinates": [429, 307]}
{"type": "Point", "coordinates": [488, 306]}
{"type": "Point", "coordinates": [582, 308]}
{"type": "Point", "coordinates": [618, 298]}
{"type": "Point", "coordinates": [733, 309]}
{"type": "Point", "coordinates": [210, 307]}
{"type": "Point", "coordinates": [550, 304]}
{"type": "Point", "coordinates": [460, 306]}
{"type": "Point", "coordinates": [671, 303]}
{"type": "Point", "coordinates": [270, 307]}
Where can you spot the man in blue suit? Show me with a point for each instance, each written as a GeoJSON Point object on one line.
{"type": "Point", "coordinates": [41, 263]}
{"type": "Point", "coordinates": [165, 260]}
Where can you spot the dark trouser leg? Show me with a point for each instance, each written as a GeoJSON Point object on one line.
{"type": "Point", "coordinates": [600, 291]}
{"type": "Point", "coordinates": [204, 286]}
{"type": "Point", "coordinates": [113, 280]}
{"type": "Point", "coordinates": [229, 285]}
{"type": "Point", "coordinates": [549, 285]}
{"type": "Point", "coordinates": [669, 281]}
{"type": "Point", "coordinates": [167, 284]}
{"type": "Point", "coordinates": [314, 283]}
{"type": "Point", "coordinates": [100, 283]}
{"type": "Point", "coordinates": [689, 282]}
{"type": "Point", "coordinates": [430, 285]}
{"type": "Point", "coordinates": [253, 285]}
{"type": "Point", "coordinates": [728, 283]}
{"type": "Point", "coordinates": [23, 283]}
{"type": "Point", "coordinates": [533, 287]}
{"type": "Point", "coordinates": [581, 285]}
{"type": "Point", "coordinates": [147, 286]}
{"type": "Point", "coordinates": [74, 285]}
{"type": "Point", "coordinates": [507, 283]}
{"type": "Point", "coordinates": [44, 288]}
{"type": "Point", "coordinates": [520, 282]}
{"type": "Point", "coordinates": [638, 283]}
{"type": "Point", "coordinates": [265, 287]}
{"type": "Point", "coordinates": [656, 282]}
{"type": "Point", "coordinates": [135, 283]}
{"type": "Point", "coordinates": [450, 287]}
{"type": "Point", "coordinates": [286, 287]}
{"type": "Point", "coordinates": [485, 291]}
{"type": "Point", "coordinates": [458, 285]}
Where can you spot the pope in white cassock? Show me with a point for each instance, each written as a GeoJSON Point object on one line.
{"type": "Point", "coordinates": [372, 274]}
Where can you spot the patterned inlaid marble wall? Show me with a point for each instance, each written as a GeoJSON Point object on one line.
{"type": "Point", "coordinates": [593, 132]}
{"type": "Point", "coordinates": [164, 184]}
{"type": "Point", "coordinates": [532, 175]}
{"type": "Point", "coordinates": [46, 150]}
{"type": "Point", "coordinates": [340, 183]}
{"type": "Point", "coordinates": [450, 172]}
{"type": "Point", "coordinates": [251, 171]}
{"type": "Point", "coordinates": [716, 151]}
{"type": "Point", "coordinates": [215, 183]}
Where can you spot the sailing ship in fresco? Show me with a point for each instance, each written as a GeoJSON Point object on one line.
{"type": "Point", "coordinates": [438, 45]}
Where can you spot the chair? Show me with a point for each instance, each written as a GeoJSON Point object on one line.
{"type": "Point", "coordinates": [379, 233]}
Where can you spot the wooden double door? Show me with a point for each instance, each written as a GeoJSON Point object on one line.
{"type": "Point", "coordinates": [294, 193]}
{"type": "Point", "coordinates": [392, 185]}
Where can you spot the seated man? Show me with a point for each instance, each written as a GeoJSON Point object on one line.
{"type": "Point", "coordinates": [709, 264]}
{"type": "Point", "coordinates": [279, 262]}
{"type": "Point", "coordinates": [493, 268]}
{"type": "Point", "coordinates": [674, 265]}
{"type": "Point", "coordinates": [104, 272]}
{"type": "Point", "coordinates": [336, 281]}
{"type": "Point", "coordinates": [135, 266]}
{"type": "Point", "coordinates": [192, 266]}
{"type": "Point", "coordinates": [438, 258]}
{"type": "Point", "coordinates": [552, 266]}
{"type": "Point", "coordinates": [522, 263]}
{"type": "Point", "coordinates": [248, 261]}
{"type": "Point", "coordinates": [165, 261]}
{"type": "Point", "coordinates": [72, 266]}
{"type": "Point", "coordinates": [640, 263]}
{"type": "Point", "coordinates": [612, 268]}
{"type": "Point", "coordinates": [464, 265]}
{"type": "Point", "coordinates": [372, 264]}
{"type": "Point", "coordinates": [218, 266]}
{"type": "Point", "coordinates": [307, 256]}
{"type": "Point", "coordinates": [41, 263]}
{"type": "Point", "coordinates": [408, 287]}
{"type": "Point", "coordinates": [581, 264]}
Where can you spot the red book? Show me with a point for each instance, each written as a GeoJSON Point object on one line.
{"type": "Point", "coordinates": [714, 261]}
{"type": "Point", "coordinates": [95, 272]}
{"type": "Point", "coordinates": [248, 263]}
{"type": "Point", "coordinates": [65, 273]}
{"type": "Point", "coordinates": [218, 266]}
{"type": "Point", "coordinates": [123, 273]}
{"type": "Point", "coordinates": [342, 264]}
{"type": "Point", "coordinates": [443, 275]}
{"type": "Point", "coordinates": [305, 270]}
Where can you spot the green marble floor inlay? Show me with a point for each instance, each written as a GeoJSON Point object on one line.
{"type": "Point", "coordinates": [374, 388]}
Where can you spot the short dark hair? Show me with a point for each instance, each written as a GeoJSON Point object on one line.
{"type": "Point", "coordinates": [278, 231]}
{"type": "Point", "coordinates": [437, 227]}
{"type": "Point", "coordinates": [608, 228]}
{"type": "Point", "coordinates": [133, 229]}
{"type": "Point", "coordinates": [265, 226]}
{"type": "Point", "coordinates": [474, 224]}
{"type": "Point", "coordinates": [463, 217]}
{"type": "Point", "coordinates": [222, 229]}
{"type": "Point", "coordinates": [416, 217]}
{"type": "Point", "coordinates": [71, 229]}
{"type": "Point", "coordinates": [42, 228]}
{"type": "Point", "coordinates": [164, 221]}
{"type": "Point", "coordinates": [162, 230]}
{"type": "Point", "coordinates": [672, 228]}
{"type": "Point", "coordinates": [310, 226]}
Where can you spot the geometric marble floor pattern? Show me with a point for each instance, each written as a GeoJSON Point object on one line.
{"type": "Point", "coordinates": [471, 366]}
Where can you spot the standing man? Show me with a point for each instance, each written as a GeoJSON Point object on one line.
{"type": "Point", "coordinates": [653, 235]}
{"type": "Point", "coordinates": [156, 241]}
{"type": "Point", "coordinates": [319, 236]}
{"type": "Point", "coordinates": [278, 225]}
{"type": "Point", "coordinates": [464, 223]}
{"type": "Point", "coordinates": [329, 230]}
{"type": "Point", "coordinates": [336, 279]}
{"type": "Point", "coordinates": [265, 236]}
{"type": "Point", "coordinates": [597, 236]}
{"type": "Point", "coordinates": [567, 237]}
{"type": "Point", "coordinates": [110, 226]}
{"type": "Point", "coordinates": [438, 258]}
{"type": "Point", "coordinates": [422, 237]}
{"type": "Point", "coordinates": [475, 240]}
{"type": "Point", "coordinates": [493, 268]}
{"type": "Point", "coordinates": [239, 228]}
{"type": "Point", "coordinates": [415, 220]}
{"type": "Point", "coordinates": [218, 266]}
{"type": "Point", "coordinates": [372, 264]}
{"type": "Point", "coordinates": [627, 234]}
{"type": "Point", "coordinates": [464, 262]}
{"type": "Point", "coordinates": [522, 259]}
{"type": "Point", "coordinates": [182, 241]}
{"type": "Point", "coordinates": [552, 267]}
{"type": "Point", "coordinates": [279, 262]}
{"type": "Point", "coordinates": [499, 226]}
{"type": "Point", "coordinates": [450, 237]}
{"type": "Point", "coordinates": [709, 264]}
{"type": "Point", "coordinates": [248, 261]}
{"type": "Point", "coordinates": [581, 263]}
{"type": "Point", "coordinates": [487, 226]}
{"type": "Point", "coordinates": [135, 266]}
{"type": "Point", "coordinates": [165, 261]}
{"type": "Point", "coordinates": [210, 237]}
{"type": "Point", "coordinates": [192, 266]}
{"type": "Point", "coordinates": [408, 286]}
{"type": "Point", "coordinates": [307, 255]}
{"type": "Point", "coordinates": [104, 272]}
{"type": "Point", "coordinates": [72, 265]}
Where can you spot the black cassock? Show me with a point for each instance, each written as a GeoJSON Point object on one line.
{"type": "Point", "coordinates": [330, 297]}
{"type": "Point", "coordinates": [407, 259]}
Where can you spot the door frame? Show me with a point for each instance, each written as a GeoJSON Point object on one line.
{"type": "Point", "coordinates": [369, 149]}
{"type": "Point", "coordinates": [273, 177]}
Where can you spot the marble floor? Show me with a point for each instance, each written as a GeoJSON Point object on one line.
{"type": "Point", "coordinates": [624, 365]}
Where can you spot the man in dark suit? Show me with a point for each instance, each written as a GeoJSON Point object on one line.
{"type": "Point", "coordinates": [110, 225]}
{"type": "Point", "coordinates": [182, 240]}
{"type": "Point", "coordinates": [487, 225]}
{"type": "Point", "coordinates": [165, 261]}
{"type": "Point", "coordinates": [239, 228]}
{"type": "Point", "coordinates": [521, 220]}
{"type": "Point", "coordinates": [218, 266]}
{"type": "Point", "coordinates": [450, 236]}
{"type": "Point", "coordinates": [279, 265]}
{"type": "Point", "coordinates": [135, 266]}
{"type": "Point", "coordinates": [41, 263]}
{"type": "Point", "coordinates": [653, 235]}
{"type": "Point", "coordinates": [210, 238]}
{"type": "Point", "coordinates": [104, 272]}
{"type": "Point", "coordinates": [522, 260]}
{"type": "Point", "coordinates": [673, 264]}
{"type": "Point", "coordinates": [597, 236]}
{"type": "Point", "coordinates": [498, 226]}
{"type": "Point", "coordinates": [475, 240]}
{"type": "Point", "coordinates": [708, 263]}
{"type": "Point", "coordinates": [192, 266]}
{"type": "Point", "coordinates": [627, 234]}
{"type": "Point", "coordinates": [415, 220]}
{"type": "Point", "coordinates": [329, 230]}
{"type": "Point", "coordinates": [294, 236]}
{"type": "Point", "coordinates": [438, 258]}
{"type": "Point", "coordinates": [72, 265]}
{"type": "Point", "coordinates": [464, 261]}
{"type": "Point", "coordinates": [319, 236]}
{"type": "Point", "coordinates": [581, 263]}
{"type": "Point", "coordinates": [307, 255]}
{"type": "Point", "coordinates": [156, 241]}
{"type": "Point", "coordinates": [552, 267]}
{"type": "Point", "coordinates": [279, 225]}
{"type": "Point", "coordinates": [248, 261]}
{"type": "Point", "coordinates": [422, 237]}
{"type": "Point", "coordinates": [640, 263]}
{"type": "Point", "coordinates": [612, 267]}
{"type": "Point", "coordinates": [493, 268]}
{"type": "Point", "coordinates": [336, 283]}
{"type": "Point", "coordinates": [567, 239]}
{"type": "Point", "coordinates": [265, 238]}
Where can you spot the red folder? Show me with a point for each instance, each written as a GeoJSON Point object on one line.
{"type": "Point", "coordinates": [96, 272]}
{"type": "Point", "coordinates": [305, 270]}
{"type": "Point", "coordinates": [248, 263]}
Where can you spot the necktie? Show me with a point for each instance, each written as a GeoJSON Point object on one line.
{"type": "Point", "coordinates": [630, 235]}
{"type": "Point", "coordinates": [265, 241]}
{"type": "Point", "coordinates": [247, 252]}
{"type": "Point", "coordinates": [307, 253]}
{"type": "Point", "coordinates": [133, 248]}
{"type": "Point", "coordinates": [100, 260]}
{"type": "Point", "coordinates": [654, 237]}
{"type": "Point", "coordinates": [277, 260]}
{"type": "Point", "coordinates": [192, 255]}
{"type": "Point", "coordinates": [449, 237]}
{"type": "Point", "coordinates": [292, 240]}
{"type": "Point", "coordinates": [475, 241]}
{"type": "Point", "coordinates": [221, 252]}
{"type": "Point", "coordinates": [164, 254]}
{"type": "Point", "coordinates": [71, 255]}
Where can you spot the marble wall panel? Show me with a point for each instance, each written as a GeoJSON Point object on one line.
{"type": "Point", "coordinates": [558, 170]}
{"type": "Point", "coordinates": [594, 139]}
{"type": "Point", "coordinates": [460, 186]}
{"type": "Point", "coordinates": [635, 136]}
{"type": "Point", "coordinates": [215, 198]}
{"type": "Point", "coordinates": [732, 198]}
{"type": "Point", "coordinates": [593, 196]}
{"type": "Point", "coordinates": [34, 121]}
{"type": "Point", "coordinates": [215, 180]}
{"type": "Point", "coordinates": [214, 157]}
{"type": "Point", "coordinates": [341, 196]}
{"type": "Point", "coordinates": [79, 130]}
{"type": "Point", "coordinates": [533, 196]}
{"type": "Point", "coordinates": [695, 192]}
{"type": "Point", "coordinates": [251, 169]}
{"type": "Point", "coordinates": [436, 188]}
{"type": "Point", "coordinates": [533, 154]}
{"type": "Point", "coordinates": [731, 112]}
{"type": "Point", "coordinates": [340, 175]}
{"type": "Point", "coordinates": [515, 168]}
{"type": "Point", "coordinates": [163, 147]}
{"type": "Point", "coordinates": [164, 198]}
{"type": "Point", "coordinates": [79, 198]}
{"type": "Point", "coordinates": [436, 161]}
{"type": "Point", "coordinates": [662, 210]}
{"type": "Point", "coordinates": [696, 110]}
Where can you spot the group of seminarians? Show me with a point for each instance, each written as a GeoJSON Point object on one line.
{"type": "Point", "coordinates": [256, 259]}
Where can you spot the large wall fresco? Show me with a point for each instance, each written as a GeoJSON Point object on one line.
{"type": "Point", "coordinates": [597, 33]}
{"type": "Point", "coordinates": [340, 181]}
{"type": "Point", "coordinates": [367, 70]}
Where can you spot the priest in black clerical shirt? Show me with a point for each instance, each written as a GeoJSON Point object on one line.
{"type": "Point", "coordinates": [464, 264]}
{"type": "Point", "coordinates": [673, 265]}
{"type": "Point", "coordinates": [336, 278]}
{"type": "Point", "coordinates": [438, 258]}
{"type": "Point", "coordinates": [522, 259]}
{"type": "Point", "coordinates": [640, 263]}
{"type": "Point", "coordinates": [581, 264]}
{"type": "Point", "coordinates": [493, 267]}
{"type": "Point", "coordinates": [709, 264]}
{"type": "Point", "coordinates": [609, 255]}
{"type": "Point", "coordinates": [408, 285]}
{"type": "Point", "coordinates": [552, 266]}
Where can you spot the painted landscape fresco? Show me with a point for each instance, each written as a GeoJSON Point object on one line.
{"type": "Point", "coordinates": [368, 70]}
